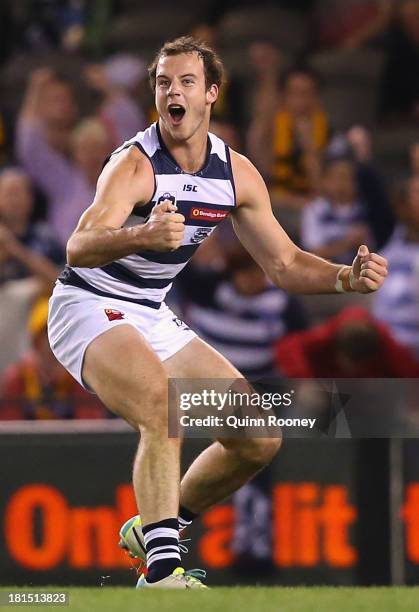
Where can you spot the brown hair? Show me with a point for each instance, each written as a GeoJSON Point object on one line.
{"type": "Point", "coordinates": [213, 67]}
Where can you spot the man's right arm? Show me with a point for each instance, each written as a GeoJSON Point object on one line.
{"type": "Point", "coordinates": [99, 238]}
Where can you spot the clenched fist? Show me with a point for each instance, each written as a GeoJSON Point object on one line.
{"type": "Point", "coordinates": [164, 229]}
{"type": "Point", "coordinates": [367, 273]}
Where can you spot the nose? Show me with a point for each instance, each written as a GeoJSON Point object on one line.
{"type": "Point", "coordinates": [174, 88]}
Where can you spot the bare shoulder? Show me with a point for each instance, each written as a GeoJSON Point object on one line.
{"type": "Point", "coordinates": [130, 160]}
{"type": "Point", "coordinates": [242, 166]}
{"type": "Point", "coordinates": [129, 170]}
{"type": "Point", "coordinates": [131, 155]}
{"type": "Point", "coordinates": [248, 181]}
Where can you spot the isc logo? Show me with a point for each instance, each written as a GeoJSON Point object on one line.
{"type": "Point", "coordinates": [190, 188]}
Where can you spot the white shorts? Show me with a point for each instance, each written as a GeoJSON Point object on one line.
{"type": "Point", "coordinates": [76, 317]}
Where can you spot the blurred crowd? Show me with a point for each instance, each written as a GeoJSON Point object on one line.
{"type": "Point", "coordinates": [322, 96]}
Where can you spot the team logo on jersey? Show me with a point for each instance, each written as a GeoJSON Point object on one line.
{"type": "Point", "coordinates": [114, 315]}
{"type": "Point", "coordinates": [207, 214]}
{"type": "Point", "coordinates": [200, 234]}
{"type": "Point", "coordinates": [166, 195]}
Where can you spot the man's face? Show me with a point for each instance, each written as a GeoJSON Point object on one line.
{"type": "Point", "coordinates": [59, 107]}
{"type": "Point", "coordinates": [89, 151]}
{"type": "Point", "coordinates": [300, 94]}
{"type": "Point", "coordinates": [44, 354]}
{"type": "Point", "coordinates": [339, 183]}
{"type": "Point", "coordinates": [182, 99]}
{"type": "Point", "coordinates": [16, 198]}
{"type": "Point", "coordinates": [249, 281]}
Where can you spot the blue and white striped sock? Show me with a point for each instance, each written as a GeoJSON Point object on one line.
{"type": "Point", "coordinates": [162, 546]}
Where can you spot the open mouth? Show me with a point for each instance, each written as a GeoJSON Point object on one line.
{"type": "Point", "coordinates": [176, 112]}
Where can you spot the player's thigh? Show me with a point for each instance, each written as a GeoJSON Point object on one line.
{"type": "Point", "coordinates": [200, 360]}
{"type": "Point", "coordinates": [123, 370]}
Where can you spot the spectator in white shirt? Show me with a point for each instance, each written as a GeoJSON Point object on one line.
{"type": "Point", "coordinates": [398, 302]}
{"type": "Point", "coordinates": [334, 224]}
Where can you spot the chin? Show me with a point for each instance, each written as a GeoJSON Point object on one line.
{"type": "Point", "coordinates": [181, 133]}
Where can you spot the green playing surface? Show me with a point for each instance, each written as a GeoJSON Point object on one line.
{"type": "Point", "coordinates": [240, 599]}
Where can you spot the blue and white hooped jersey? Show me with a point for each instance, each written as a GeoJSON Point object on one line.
{"type": "Point", "coordinates": [204, 199]}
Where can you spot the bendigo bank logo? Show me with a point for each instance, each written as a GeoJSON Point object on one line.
{"type": "Point", "coordinates": [208, 214]}
{"type": "Point", "coordinates": [311, 526]}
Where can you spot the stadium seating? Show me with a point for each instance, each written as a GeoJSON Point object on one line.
{"type": "Point", "coordinates": [349, 85]}
{"type": "Point", "coordinates": [243, 26]}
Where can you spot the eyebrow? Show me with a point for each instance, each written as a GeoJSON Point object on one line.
{"type": "Point", "coordinates": [182, 76]}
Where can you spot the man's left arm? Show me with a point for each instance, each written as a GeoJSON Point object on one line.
{"type": "Point", "coordinates": [288, 266]}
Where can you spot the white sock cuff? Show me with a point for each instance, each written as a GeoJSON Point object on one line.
{"type": "Point", "coordinates": [161, 532]}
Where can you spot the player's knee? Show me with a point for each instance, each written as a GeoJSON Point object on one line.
{"type": "Point", "coordinates": [149, 413]}
{"type": "Point", "coordinates": [154, 425]}
{"type": "Point", "coordinates": [259, 451]}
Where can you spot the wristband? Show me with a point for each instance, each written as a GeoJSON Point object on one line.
{"type": "Point", "coordinates": [339, 284]}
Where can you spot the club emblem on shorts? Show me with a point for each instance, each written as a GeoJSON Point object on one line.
{"type": "Point", "coordinates": [114, 315]}
{"type": "Point", "coordinates": [180, 323]}
{"type": "Point", "coordinates": [200, 234]}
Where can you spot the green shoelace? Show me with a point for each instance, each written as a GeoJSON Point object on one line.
{"type": "Point", "coordinates": [196, 575]}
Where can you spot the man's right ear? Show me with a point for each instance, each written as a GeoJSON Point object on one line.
{"type": "Point", "coordinates": [212, 94]}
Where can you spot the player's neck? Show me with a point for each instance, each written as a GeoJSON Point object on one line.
{"type": "Point", "coordinates": [190, 155]}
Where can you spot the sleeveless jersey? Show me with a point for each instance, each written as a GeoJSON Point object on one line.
{"type": "Point", "coordinates": [204, 199]}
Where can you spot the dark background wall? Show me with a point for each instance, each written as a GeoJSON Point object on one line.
{"type": "Point", "coordinates": [64, 497]}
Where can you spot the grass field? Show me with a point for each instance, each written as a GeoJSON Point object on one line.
{"type": "Point", "coordinates": [240, 599]}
